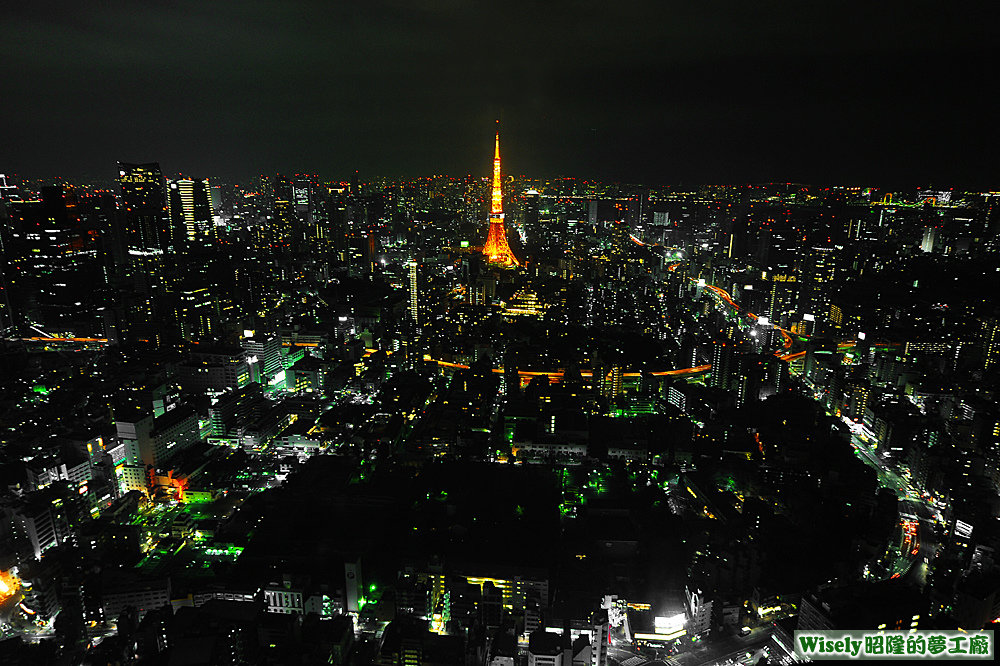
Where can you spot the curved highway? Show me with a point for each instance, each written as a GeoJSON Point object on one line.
{"type": "Point", "coordinates": [696, 370]}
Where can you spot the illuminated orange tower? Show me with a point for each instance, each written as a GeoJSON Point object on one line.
{"type": "Point", "coordinates": [496, 250]}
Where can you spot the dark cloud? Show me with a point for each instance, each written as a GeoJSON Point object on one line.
{"type": "Point", "coordinates": [653, 91]}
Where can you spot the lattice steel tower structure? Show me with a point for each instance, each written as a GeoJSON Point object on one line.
{"type": "Point", "coordinates": [496, 250]}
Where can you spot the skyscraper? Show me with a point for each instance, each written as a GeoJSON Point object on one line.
{"type": "Point", "coordinates": [283, 223]}
{"type": "Point", "coordinates": [990, 335]}
{"type": "Point", "coordinates": [52, 271]}
{"type": "Point", "coordinates": [195, 310]}
{"type": "Point", "coordinates": [617, 381]}
{"type": "Point", "coordinates": [723, 364]}
{"type": "Point", "coordinates": [930, 235]}
{"type": "Point", "coordinates": [146, 226]}
{"type": "Point", "coordinates": [784, 290]}
{"type": "Point", "coordinates": [819, 268]}
{"type": "Point", "coordinates": [413, 292]}
{"type": "Point", "coordinates": [189, 204]}
{"type": "Point", "coordinates": [264, 355]}
{"type": "Point", "coordinates": [496, 249]}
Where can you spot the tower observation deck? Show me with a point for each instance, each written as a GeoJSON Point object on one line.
{"type": "Point", "coordinates": [496, 250]}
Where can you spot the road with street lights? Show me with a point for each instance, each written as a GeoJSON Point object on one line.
{"type": "Point", "coordinates": [731, 649]}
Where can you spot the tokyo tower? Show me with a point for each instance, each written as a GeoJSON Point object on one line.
{"type": "Point", "coordinates": [496, 250]}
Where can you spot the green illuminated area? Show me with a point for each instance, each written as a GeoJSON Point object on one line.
{"type": "Point", "coordinates": [183, 539]}
{"type": "Point", "coordinates": [580, 484]}
{"type": "Point", "coordinates": [190, 560]}
{"type": "Point", "coordinates": [634, 407]}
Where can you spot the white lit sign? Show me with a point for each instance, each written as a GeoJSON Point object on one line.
{"type": "Point", "coordinates": [666, 625]}
{"type": "Point", "coordinates": [808, 317]}
{"type": "Point", "coordinates": [861, 336]}
{"type": "Point", "coordinates": [763, 321]}
{"type": "Point", "coordinates": [660, 637]}
{"type": "Point", "coordinates": [963, 529]}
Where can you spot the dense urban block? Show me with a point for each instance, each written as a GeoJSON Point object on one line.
{"type": "Point", "coordinates": [491, 421]}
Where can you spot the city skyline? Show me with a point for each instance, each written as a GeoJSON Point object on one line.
{"type": "Point", "coordinates": [291, 374]}
{"type": "Point", "coordinates": [637, 93]}
{"type": "Point", "coordinates": [661, 426]}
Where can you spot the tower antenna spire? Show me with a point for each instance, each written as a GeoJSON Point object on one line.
{"type": "Point", "coordinates": [497, 250]}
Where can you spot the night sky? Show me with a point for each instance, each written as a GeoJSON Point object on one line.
{"type": "Point", "coordinates": [653, 92]}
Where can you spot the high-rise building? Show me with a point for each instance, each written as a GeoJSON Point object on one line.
{"type": "Point", "coordinates": [214, 370]}
{"type": "Point", "coordinates": [699, 611]}
{"type": "Point", "coordinates": [263, 355]}
{"type": "Point", "coordinates": [617, 381]}
{"type": "Point", "coordinates": [237, 409]}
{"type": "Point", "coordinates": [196, 312]}
{"type": "Point", "coordinates": [819, 268]}
{"type": "Point", "coordinates": [146, 223]}
{"type": "Point", "coordinates": [301, 196]}
{"type": "Point", "coordinates": [930, 235]}
{"type": "Point", "coordinates": [990, 335]}
{"type": "Point", "coordinates": [750, 378]}
{"type": "Point", "coordinates": [496, 249]}
{"type": "Point", "coordinates": [8, 190]}
{"type": "Point", "coordinates": [189, 204]}
{"type": "Point", "coordinates": [141, 234]}
{"type": "Point", "coordinates": [531, 203]}
{"type": "Point", "coordinates": [782, 294]}
{"type": "Point", "coordinates": [991, 231]}
{"type": "Point", "coordinates": [9, 315]}
{"type": "Point", "coordinates": [283, 222]}
{"type": "Point", "coordinates": [723, 364]}
{"type": "Point", "coordinates": [265, 194]}
{"type": "Point", "coordinates": [414, 313]}
{"type": "Point", "coordinates": [52, 270]}
{"type": "Point", "coordinates": [599, 377]}
{"type": "Point", "coordinates": [601, 638]}
{"type": "Point", "coordinates": [38, 520]}
{"type": "Point", "coordinates": [857, 395]}
{"type": "Point", "coordinates": [151, 440]}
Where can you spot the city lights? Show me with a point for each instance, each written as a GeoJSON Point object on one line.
{"type": "Point", "coordinates": [705, 372]}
